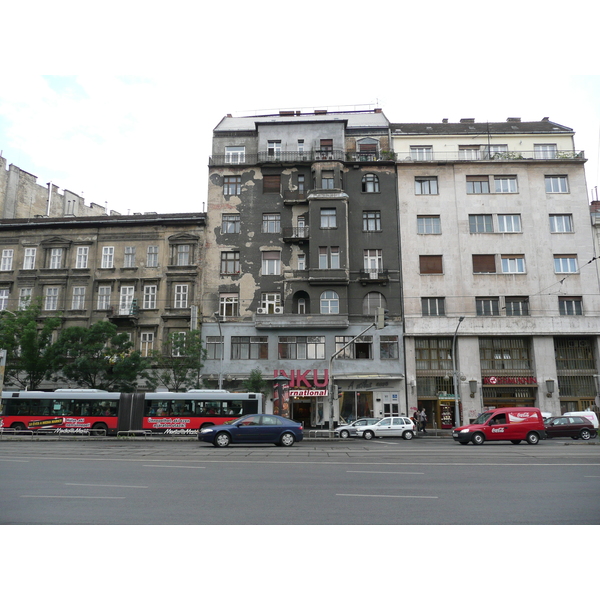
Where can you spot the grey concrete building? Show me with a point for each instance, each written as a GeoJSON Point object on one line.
{"type": "Point", "coordinates": [301, 249]}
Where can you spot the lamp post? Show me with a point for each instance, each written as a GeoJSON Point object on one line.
{"type": "Point", "coordinates": [222, 347]}
{"type": "Point", "coordinates": [455, 376]}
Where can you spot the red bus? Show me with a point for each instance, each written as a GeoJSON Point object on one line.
{"type": "Point", "coordinates": [96, 411]}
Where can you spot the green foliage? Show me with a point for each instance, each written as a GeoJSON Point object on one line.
{"type": "Point", "coordinates": [27, 339]}
{"type": "Point", "coordinates": [255, 382]}
{"type": "Point", "coordinates": [98, 357]}
{"type": "Point", "coordinates": [178, 365]}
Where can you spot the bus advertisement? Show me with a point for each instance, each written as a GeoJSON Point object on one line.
{"type": "Point", "coordinates": [106, 413]}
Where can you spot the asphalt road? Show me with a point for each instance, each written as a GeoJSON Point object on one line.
{"type": "Point", "coordinates": [377, 482]}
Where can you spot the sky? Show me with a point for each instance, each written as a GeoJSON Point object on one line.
{"type": "Point", "coordinates": [125, 112]}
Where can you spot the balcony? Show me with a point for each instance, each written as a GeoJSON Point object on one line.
{"type": "Point", "coordinates": [296, 321]}
{"type": "Point", "coordinates": [328, 277]}
{"type": "Point", "coordinates": [292, 197]}
{"type": "Point", "coordinates": [370, 156]}
{"type": "Point", "coordinates": [308, 156]}
{"type": "Point", "coordinates": [125, 311]}
{"type": "Point", "coordinates": [296, 235]}
{"type": "Point", "coordinates": [484, 155]}
{"type": "Point", "coordinates": [366, 276]}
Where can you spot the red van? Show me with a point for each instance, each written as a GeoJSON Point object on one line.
{"type": "Point", "coordinates": [504, 424]}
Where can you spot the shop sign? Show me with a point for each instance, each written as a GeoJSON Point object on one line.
{"type": "Point", "coordinates": [509, 381]}
{"type": "Point", "coordinates": [299, 378]}
{"type": "Point", "coordinates": [308, 393]}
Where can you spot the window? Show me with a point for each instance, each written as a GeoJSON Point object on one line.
{"type": "Point", "coordinates": [271, 262]}
{"type": "Point", "coordinates": [388, 347]}
{"type": "Point", "coordinates": [56, 258]}
{"type": "Point", "coordinates": [478, 184]}
{"type": "Point", "coordinates": [7, 260]}
{"type": "Point", "coordinates": [230, 223]}
{"type": "Point", "coordinates": [183, 255]}
{"type": "Point", "coordinates": [370, 184]}
{"type": "Point", "coordinates": [271, 184]}
{"type": "Point", "coordinates": [433, 307]}
{"type": "Point", "coordinates": [484, 263]}
{"type": "Point", "coordinates": [429, 224]}
{"type": "Point", "coordinates": [249, 347]}
{"type": "Point", "coordinates": [360, 348]}
{"type": "Point", "coordinates": [271, 223]}
{"type": "Point", "coordinates": [232, 185]}
{"type": "Point", "coordinates": [214, 347]}
{"type": "Point", "coordinates": [152, 256]}
{"type": "Point", "coordinates": [230, 262]}
{"type": "Point", "coordinates": [509, 223]}
{"type": "Point", "coordinates": [108, 257]}
{"type": "Point", "coordinates": [301, 347]}
{"type": "Point", "coordinates": [504, 354]}
{"type": "Point", "coordinates": [78, 302]}
{"type": "Point", "coordinates": [327, 180]}
{"type": "Point", "coordinates": [51, 298]}
{"type": "Point", "coordinates": [513, 264]}
{"type": "Point", "coordinates": [517, 306]}
{"type": "Point", "coordinates": [178, 344]}
{"type": "Point", "coordinates": [269, 301]}
{"type": "Point", "coordinates": [126, 300]}
{"type": "Point", "coordinates": [301, 185]}
{"type": "Point", "coordinates": [430, 264]}
{"type": "Point", "coordinates": [561, 223]}
{"type": "Point", "coordinates": [329, 258]}
{"type": "Point", "coordinates": [487, 307]}
{"type": "Point", "coordinates": [301, 262]}
{"type": "Point", "coordinates": [81, 258]}
{"type": "Point", "coordinates": [544, 150]}
{"type": "Point", "coordinates": [147, 343]}
{"type": "Point", "coordinates": [229, 305]}
{"type": "Point", "coordinates": [25, 298]}
{"type": "Point", "coordinates": [421, 152]}
{"type": "Point", "coordinates": [505, 185]}
{"type": "Point", "coordinates": [373, 261]}
{"type": "Point", "coordinates": [235, 154]}
{"type": "Point", "coordinates": [129, 258]}
{"type": "Point", "coordinates": [29, 258]}
{"type": "Point", "coordinates": [300, 146]}
{"type": "Point", "coordinates": [371, 220]}
{"type": "Point", "coordinates": [330, 303]}
{"type": "Point", "coordinates": [103, 297]}
{"type": "Point", "coordinates": [274, 149]}
{"type": "Point", "coordinates": [480, 224]}
{"type": "Point", "coordinates": [556, 184]}
{"type": "Point", "coordinates": [180, 296]}
{"type": "Point", "coordinates": [326, 145]}
{"type": "Point", "coordinates": [565, 263]}
{"type": "Point", "coordinates": [433, 354]}
{"type": "Point", "coordinates": [328, 218]}
{"type": "Point", "coordinates": [496, 151]}
{"type": "Point", "coordinates": [426, 186]}
{"type": "Point", "coordinates": [570, 306]}
{"type": "Point", "coordinates": [469, 152]}
{"type": "Point", "coordinates": [372, 301]}
{"type": "Point", "coordinates": [3, 298]}
{"type": "Point", "coordinates": [149, 296]}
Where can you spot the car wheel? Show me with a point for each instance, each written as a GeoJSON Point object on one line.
{"type": "Point", "coordinates": [222, 440]}
{"type": "Point", "coordinates": [408, 435]}
{"type": "Point", "coordinates": [515, 442]}
{"type": "Point", "coordinates": [532, 438]}
{"type": "Point", "coordinates": [287, 440]}
{"type": "Point", "coordinates": [478, 438]}
{"type": "Point", "coordinates": [344, 433]}
{"type": "Point", "coordinates": [585, 434]}
{"type": "Point", "coordinates": [368, 435]}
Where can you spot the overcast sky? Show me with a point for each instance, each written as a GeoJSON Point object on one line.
{"type": "Point", "coordinates": [137, 143]}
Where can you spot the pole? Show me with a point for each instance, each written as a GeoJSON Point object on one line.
{"type": "Point", "coordinates": [222, 348]}
{"type": "Point", "coordinates": [455, 376]}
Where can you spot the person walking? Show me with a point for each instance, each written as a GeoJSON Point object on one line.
{"type": "Point", "coordinates": [423, 420]}
{"type": "Point", "coordinates": [415, 418]}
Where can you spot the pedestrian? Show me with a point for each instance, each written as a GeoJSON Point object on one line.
{"type": "Point", "coordinates": [423, 420]}
{"type": "Point", "coordinates": [415, 418]}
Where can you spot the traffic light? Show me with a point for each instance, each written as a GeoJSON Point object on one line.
{"type": "Point", "coordinates": [381, 316]}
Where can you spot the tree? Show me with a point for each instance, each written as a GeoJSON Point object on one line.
{"type": "Point", "coordinates": [98, 357]}
{"type": "Point", "coordinates": [27, 339]}
{"type": "Point", "coordinates": [255, 382]}
{"type": "Point", "coordinates": [178, 365]}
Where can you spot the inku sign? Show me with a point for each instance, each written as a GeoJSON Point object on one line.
{"type": "Point", "coordinates": [301, 385]}
{"type": "Point", "coordinates": [509, 381]}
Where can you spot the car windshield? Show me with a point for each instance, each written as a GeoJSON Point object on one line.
{"type": "Point", "coordinates": [482, 418]}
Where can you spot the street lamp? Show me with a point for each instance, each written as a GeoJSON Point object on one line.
{"type": "Point", "coordinates": [222, 347]}
{"type": "Point", "coordinates": [455, 375]}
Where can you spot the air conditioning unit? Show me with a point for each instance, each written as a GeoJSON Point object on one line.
{"type": "Point", "coordinates": [262, 311]}
{"type": "Point", "coordinates": [279, 310]}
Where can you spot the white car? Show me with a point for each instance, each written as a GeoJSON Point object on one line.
{"type": "Point", "coordinates": [345, 431]}
{"type": "Point", "coordinates": [388, 427]}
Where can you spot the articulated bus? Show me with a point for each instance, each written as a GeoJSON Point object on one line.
{"type": "Point", "coordinates": [102, 413]}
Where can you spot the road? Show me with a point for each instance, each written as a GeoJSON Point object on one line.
{"type": "Point", "coordinates": [377, 482]}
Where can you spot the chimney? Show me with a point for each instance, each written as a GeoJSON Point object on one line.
{"type": "Point", "coordinates": [467, 120]}
{"type": "Point", "coordinates": [444, 120]}
{"type": "Point", "coordinates": [513, 120]}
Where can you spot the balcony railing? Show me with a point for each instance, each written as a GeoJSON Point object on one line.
{"type": "Point", "coordinates": [292, 234]}
{"type": "Point", "coordinates": [309, 156]}
{"type": "Point", "coordinates": [373, 275]}
{"type": "Point", "coordinates": [474, 155]}
{"type": "Point", "coordinates": [125, 309]}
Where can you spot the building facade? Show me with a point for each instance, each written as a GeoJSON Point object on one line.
{"type": "Point", "coordinates": [301, 250]}
{"type": "Point", "coordinates": [497, 256]}
{"type": "Point", "coordinates": [142, 273]}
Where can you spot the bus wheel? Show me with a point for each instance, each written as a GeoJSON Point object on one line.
{"type": "Point", "coordinates": [99, 428]}
{"type": "Point", "coordinates": [19, 426]}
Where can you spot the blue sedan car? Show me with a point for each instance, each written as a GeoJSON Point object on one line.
{"type": "Point", "coordinates": [253, 429]}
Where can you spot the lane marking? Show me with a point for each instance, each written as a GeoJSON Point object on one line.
{"type": "Point", "coordinates": [78, 497]}
{"type": "Point", "coordinates": [12, 460]}
{"type": "Point", "coordinates": [387, 472]}
{"type": "Point", "coordinates": [593, 476]}
{"type": "Point", "coordinates": [108, 485]}
{"type": "Point", "coordinates": [174, 466]}
{"type": "Point", "coordinates": [387, 496]}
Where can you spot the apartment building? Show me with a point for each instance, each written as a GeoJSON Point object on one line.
{"type": "Point", "coordinates": [142, 272]}
{"type": "Point", "coordinates": [301, 251]}
{"type": "Point", "coordinates": [497, 263]}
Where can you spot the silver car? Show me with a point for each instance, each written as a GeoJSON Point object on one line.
{"type": "Point", "coordinates": [388, 427]}
{"type": "Point", "coordinates": [345, 431]}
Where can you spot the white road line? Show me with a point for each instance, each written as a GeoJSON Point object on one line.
{"type": "Point", "coordinates": [12, 460]}
{"type": "Point", "coordinates": [108, 485]}
{"type": "Point", "coordinates": [387, 472]}
{"type": "Point", "coordinates": [592, 476]}
{"type": "Point", "coordinates": [386, 496]}
{"type": "Point", "coordinates": [174, 466]}
{"type": "Point", "coordinates": [79, 497]}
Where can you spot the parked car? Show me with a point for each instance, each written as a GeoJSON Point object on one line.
{"type": "Point", "coordinates": [574, 427]}
{"type": "Point", "coordinates": [388, 427]}
{"type": "Point", "coordinates": [345, 431]}
{"type": "Point", "coordinates": [253, 429]}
